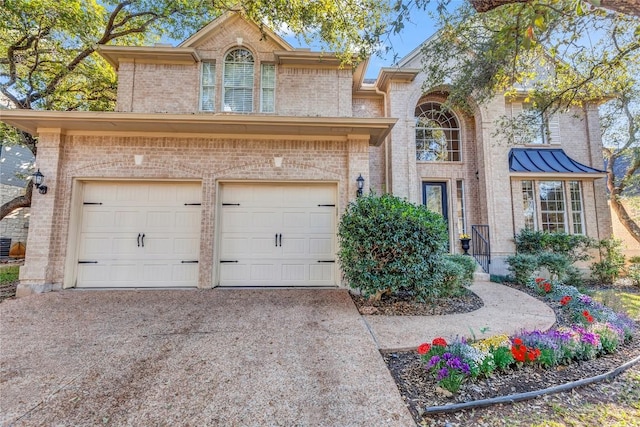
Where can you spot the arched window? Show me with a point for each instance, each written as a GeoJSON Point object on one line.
{"type": "Point", "coordinates": [238, 81]}
{"type": "Point", "coordinates": [437, 134]}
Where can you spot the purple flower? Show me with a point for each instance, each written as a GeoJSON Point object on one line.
{"type": "Point", "coordinates": [590, 338]}
{"type": "Point", "coordinates": [433, 361]}
{"type": "Point", "coordinates": [447, 356]}
{"type": "Point", "coordinates": [585, 299]}
{"type": "Point", "coordinates": [443, 373]}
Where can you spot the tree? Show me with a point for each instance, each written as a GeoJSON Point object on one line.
{"type": "Point", "coordinates": [48, 56]}
{"type": "Point", "coordinates": [627, 7]}
{"type": "Point", "coordinates": [561, 53]}
{"type": "Point", "coordinates": [621, 128]}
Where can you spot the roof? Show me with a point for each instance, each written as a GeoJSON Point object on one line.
{"type": "Point", "coordinates": [547, 161]}
{"type": "Point", "coordinates": [206, 125]}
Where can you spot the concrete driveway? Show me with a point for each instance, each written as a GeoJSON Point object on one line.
{"type": "Point", "coordinates": [196, 358]}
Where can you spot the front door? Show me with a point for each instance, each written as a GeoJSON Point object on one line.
{"type": "Point", "coordinates": [434, 197]}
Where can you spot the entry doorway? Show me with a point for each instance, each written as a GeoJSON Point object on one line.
{"type": "Point", "coordinates": [434, 197]}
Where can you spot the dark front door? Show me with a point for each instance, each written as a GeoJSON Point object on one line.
{"type": "Point", "coordinates": [434, 197]}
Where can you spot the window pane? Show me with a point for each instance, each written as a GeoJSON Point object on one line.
{"type": "Point", "coordinates": [576, 207]}
{"type": "Point", "coordinates": [529, 205]}
{"type": "Point", "coordinates": [552, 207]}
{"type": "Point", "coordinates": [207, 92]}
{"type": "Point", "coordinates": [437, 134]}
{"type": "Point", "coordinates": [238, 81]}
{"type": "Point", "coordinates": [538, 126]}
{"type": "Point", "coordinates": [268, 83]}
{"type": "Point", "coordinates": [462, 226]}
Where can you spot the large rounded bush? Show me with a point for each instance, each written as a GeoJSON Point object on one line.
{"type": "Point", "coordinates": [387, 243]}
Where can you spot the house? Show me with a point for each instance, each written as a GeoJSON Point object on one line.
{"type": "Point", "coordinates": [15, 161]}
{"type": "Point", "coordinates": [230, 158]}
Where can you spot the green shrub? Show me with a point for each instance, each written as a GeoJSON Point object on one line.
{"type": "Point", "coordinates": [387, 243]}
{"type": "Point", "coordinates": [611, 263]}
{"type": "Point", "coordinates": [573, 246]}
{"type": "Point", "coordinates": [556, 263]}
{"type": "Point", "coordinates": [557, 252]}
{"type": "Point", "coordinates": [633, 272]}
{"type": "Point", "coordinates": [522, 266]}
{"type": "Point", "coordinates": [459, 273]}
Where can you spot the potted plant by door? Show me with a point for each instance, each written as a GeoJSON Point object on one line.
{"type": "Point", "coordinates": [464, 242]}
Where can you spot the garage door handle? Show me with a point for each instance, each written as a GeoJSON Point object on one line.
{"type": "Point", "coordinates": [226, 262]}
{"type": "Point", "coordinates": [327, 260]}
{"type": "Point", "coordinates": [143, 240]}
{"type": "Point", "coordinates": [139, 239]}
{"type": "Point", "coordinates": [280, 236]}
{"type": "Point", "coordinates": [189, 262]}
{"type": "Point", "coordinates": [276, 240]}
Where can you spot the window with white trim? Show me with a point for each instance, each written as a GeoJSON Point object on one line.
{"type": "Point", "coordinates": [238, 81]}
{"type": "Point", "coordinates": [535, 127]}
{"type": "Point", "coordinates": [553, 206]}
{"type": "Point", "coordinates": [267, 88]}
{"type": "Point", "coordinates": [208, 86]}
{"type": "Point", "coordinates": [437, 134]}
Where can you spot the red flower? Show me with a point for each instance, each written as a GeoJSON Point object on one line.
{"type": "Point", "coordinates": [517, 341]}
{"type": "Point", "coordinates": [424, 348]}
{"type": "Point", "coordinates": [547, 287]}
{"type": "Point", "coordinates": [565, 300]}
{"type": "Point", "coordinates": [439, 341]}
{"type": "Point", "coordinates": [539, 280]}
{"type": "Point", "coordinates": [588, 317]}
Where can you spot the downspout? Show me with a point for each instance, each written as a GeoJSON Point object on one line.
{"type": "Point", "coordinates": [386, 145]}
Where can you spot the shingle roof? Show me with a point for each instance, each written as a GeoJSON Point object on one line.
{"type": "Point", "coordinates": [546, 160]}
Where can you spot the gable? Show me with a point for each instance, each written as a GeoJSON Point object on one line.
{"type": "Point", "coordinates": [229, 28]}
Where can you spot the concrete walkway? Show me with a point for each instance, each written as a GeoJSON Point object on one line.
{"type": "Point", "coordinates": [218, 357]}
{"type": "Point", "coordinates": [505, 311]}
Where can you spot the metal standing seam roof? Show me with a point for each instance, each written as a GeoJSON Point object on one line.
{"type": "Point", "coordinates": [545, 160]}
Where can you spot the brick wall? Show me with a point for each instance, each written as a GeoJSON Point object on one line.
{"type": "Point", "coordinates": [202, 159]}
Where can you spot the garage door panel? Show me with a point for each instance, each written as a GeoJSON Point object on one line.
{"type": "Point", "coordinates": [247, 234]}
{"type": "Point", "coordinates": [234, 273]}
{"type": "Point", "coordinates": [321, 272]}
{"type": "Point", "coordinates": [322, 220]}
{"type": "Point", "coordinates": [127, 210]}
{"type": "Point", "coordinates": [321, 246]}
{"type": "Point", "coordinates": [127, 219]}
{"type": "Point", "coordinates": [160, 219]}
{"type": "Point", "coordinates": [187, 247]}
{"type": "Point", "coordinates": [234, 219]}
{"type": "Point", "coordinates": [189, 220]}
{"type": "Point", "coordinates": [293, 246]}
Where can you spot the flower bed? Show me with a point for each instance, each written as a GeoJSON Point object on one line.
{"type": "Point", "coordinates": [597, 330]}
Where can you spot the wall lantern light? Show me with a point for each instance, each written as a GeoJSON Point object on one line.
{"type": "Point", "coordinates": [38, 179]}
{"type": "Point", "coordinates": [360, 181]}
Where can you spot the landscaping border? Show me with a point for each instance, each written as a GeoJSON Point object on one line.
{"type": "Point", "coordinates": [512, 398]}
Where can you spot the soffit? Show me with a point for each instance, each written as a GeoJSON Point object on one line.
{"type": "Point", "coordinates": [87, 122]}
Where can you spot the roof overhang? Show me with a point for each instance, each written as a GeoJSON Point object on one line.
{"type": "Point", "coordinates": [205, 125]}
{"type": "Point", "coordinates": [546, 162]}
{"type": "Point", "coordinates": [388, 74]}
{"type": "Point", "coordinates": [148, 54]}
{"type": "Point", "coordinates": [308, 57]}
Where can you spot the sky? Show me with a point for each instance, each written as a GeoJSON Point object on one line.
{"type": "Point", "coordinates": [413, 34]}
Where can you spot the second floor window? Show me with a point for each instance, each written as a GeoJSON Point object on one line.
{"type": "Point", "coordinates": [437, 134]}
{"type": "Point", "coordinates": [207, 98]}
{"type": "Point", "coordinates": [238, 81]}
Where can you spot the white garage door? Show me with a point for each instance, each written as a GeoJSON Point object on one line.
{"type": "Point", "coordinates": [139, 234]}
{"type": "Point", "coordinates": [278, 235]}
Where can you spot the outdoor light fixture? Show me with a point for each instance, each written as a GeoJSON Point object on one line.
{"type": "Point", "coordinates": [38, 178]}
{"type": "Point", "coordinates": [360, 181]}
